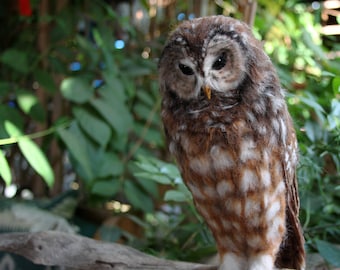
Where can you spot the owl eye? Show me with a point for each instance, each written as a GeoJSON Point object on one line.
{"type": "Point", "coordinates": [185, 69]}
{"type": "Point", "coordinates": [220, 61]}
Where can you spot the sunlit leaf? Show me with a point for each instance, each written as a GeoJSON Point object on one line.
{"type": "Point", "coordinates": [12, 115]}
{"type": "Point", "coordinates": [33, 154]}
{"type": "Point", "coordinates": [30, 105]}
{"type": "Point", "coordinates": [5, 170]}
{"type": "Point", "coordinates": [336, 85]}
{"type": "Point", "coordinates": [37, 159]}
{"type": "Point", "coordinates": [26, 100]}
{"type": "Point", "coordinates": [317, 50]}
{"type": "Point", "coordinates": [76, 89]}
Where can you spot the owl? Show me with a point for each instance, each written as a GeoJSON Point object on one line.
{"type": "Point", "coordinates": [227, 124]}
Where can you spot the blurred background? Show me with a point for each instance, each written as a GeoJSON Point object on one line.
{"type": "Point", "coordinates": [81, 144]}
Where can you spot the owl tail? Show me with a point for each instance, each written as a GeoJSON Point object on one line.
{"type": "Point", "coordinates": [292, 253]}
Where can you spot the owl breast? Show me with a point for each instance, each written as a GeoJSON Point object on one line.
{"type": "Point", "coordinates": [233, 170]}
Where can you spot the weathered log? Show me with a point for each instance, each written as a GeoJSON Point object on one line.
{"type": "Point", "coordinates": [52, 248]}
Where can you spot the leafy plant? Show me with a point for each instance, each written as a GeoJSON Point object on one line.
{"type": "Point", "coordinates": [175, 230]}
{"type": "Point", "coordinates": [106, 100]}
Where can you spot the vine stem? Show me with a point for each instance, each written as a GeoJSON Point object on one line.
{"type": "Point", "coordinates": [35, 135]}
{"type": "Point", "coordinates": [143, 133]}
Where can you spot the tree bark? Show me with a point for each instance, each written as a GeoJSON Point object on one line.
{"type": "Point", "coordinates": [52, 248]}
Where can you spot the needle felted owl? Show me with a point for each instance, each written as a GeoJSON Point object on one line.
{"type": "Point", "coordinates": [227, 124]}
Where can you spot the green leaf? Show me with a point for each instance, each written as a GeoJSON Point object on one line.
{"type": "Point", "coordinates": [76, 89]}
{"type": "Point", "coordinates": [18, 60]}
{"type": "Point", "coordinates": [112, 107]}
{"type": "Point", "coordinates": [146, 98]}
{"type": "Point", "coordinates": [37, 159]}
{"type": "Point", "coordinates": [45, 80]}
{"type": "Point", "coordinates": [334, 116]}
{"type": "Point", "coordinates": [77, 148]}
{"type": "Point", "coordinates": [5, 87]}
{"type": "Point", "coordinates": [176, 196]}
{"type": "Point", "coordinates": [329, 251]}
{"type": "Point", "coordinates": [104, 163]}
{"type": "Point", "coordinates": [33, 154]}
{"type": "Point", "coordinates": [309, 100]}
{"type": "Point", "coordinates": [116, 115]}
{"type": "Point", "coordinates": [145, 112]}
{"type": "Point", "coordinates": [30, 105]}
{"type": "Point", "coordinates": [149, 186]}
{"type": "Point", "coordinates": [115, 86]}
{"type": "Point", "coordinates": [146, 166]}
{"type": "Point", "coordinates": [336, 85]}
{"type": "Point", "coordinates": [106, 188]}
{"type": "Point", "coordinates": [5, 170]}
{"type": "Point", "coordinates": [317, 50]}
{"type": "Point", "coordinates": [137, 197]}
{"type": "Point", "coordinates": [26, 100]}
{"type": "Point", "coordinates": [88, 47]}
{"type": "Point", "coordinates": [9, 114]}
{"type": "Point", "coordinates": [313, 131]}
{"type": "Point", "coordinates": [110, 165]}
{"type": "Point", "coordinates": [103, 39]}
{"type": "Point", "coordinates": [97, 129]}
{"type": "Point", "coordinates": [157, 177]}
{"type": "Point", "coordinates": [157, 170]}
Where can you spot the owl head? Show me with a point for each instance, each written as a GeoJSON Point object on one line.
{"type": "Point", "coordinates": [213, 56]}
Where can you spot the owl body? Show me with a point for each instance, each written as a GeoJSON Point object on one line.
{"type": "Point", "coordinates": [229, 129]}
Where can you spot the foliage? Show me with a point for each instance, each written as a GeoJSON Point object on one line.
{"type": "Point", "coordinates": [100, 105]}
{"type": "Point", "coordinates": [110, 116]}
{"type": "Point", "coordinates": [176, 230]}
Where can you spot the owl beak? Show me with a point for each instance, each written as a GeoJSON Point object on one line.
{"type": "Point", "coordinates": [207, 91]}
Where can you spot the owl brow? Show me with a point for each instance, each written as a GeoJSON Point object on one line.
{"type": "Point", "coordinates": [230, 34]}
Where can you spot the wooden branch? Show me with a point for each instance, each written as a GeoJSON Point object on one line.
{"type": "Point", "coordinates": [53, 248]}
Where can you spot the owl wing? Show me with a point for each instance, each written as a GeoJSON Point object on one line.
{"type": "Point", "coordinates": [291, 254]}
